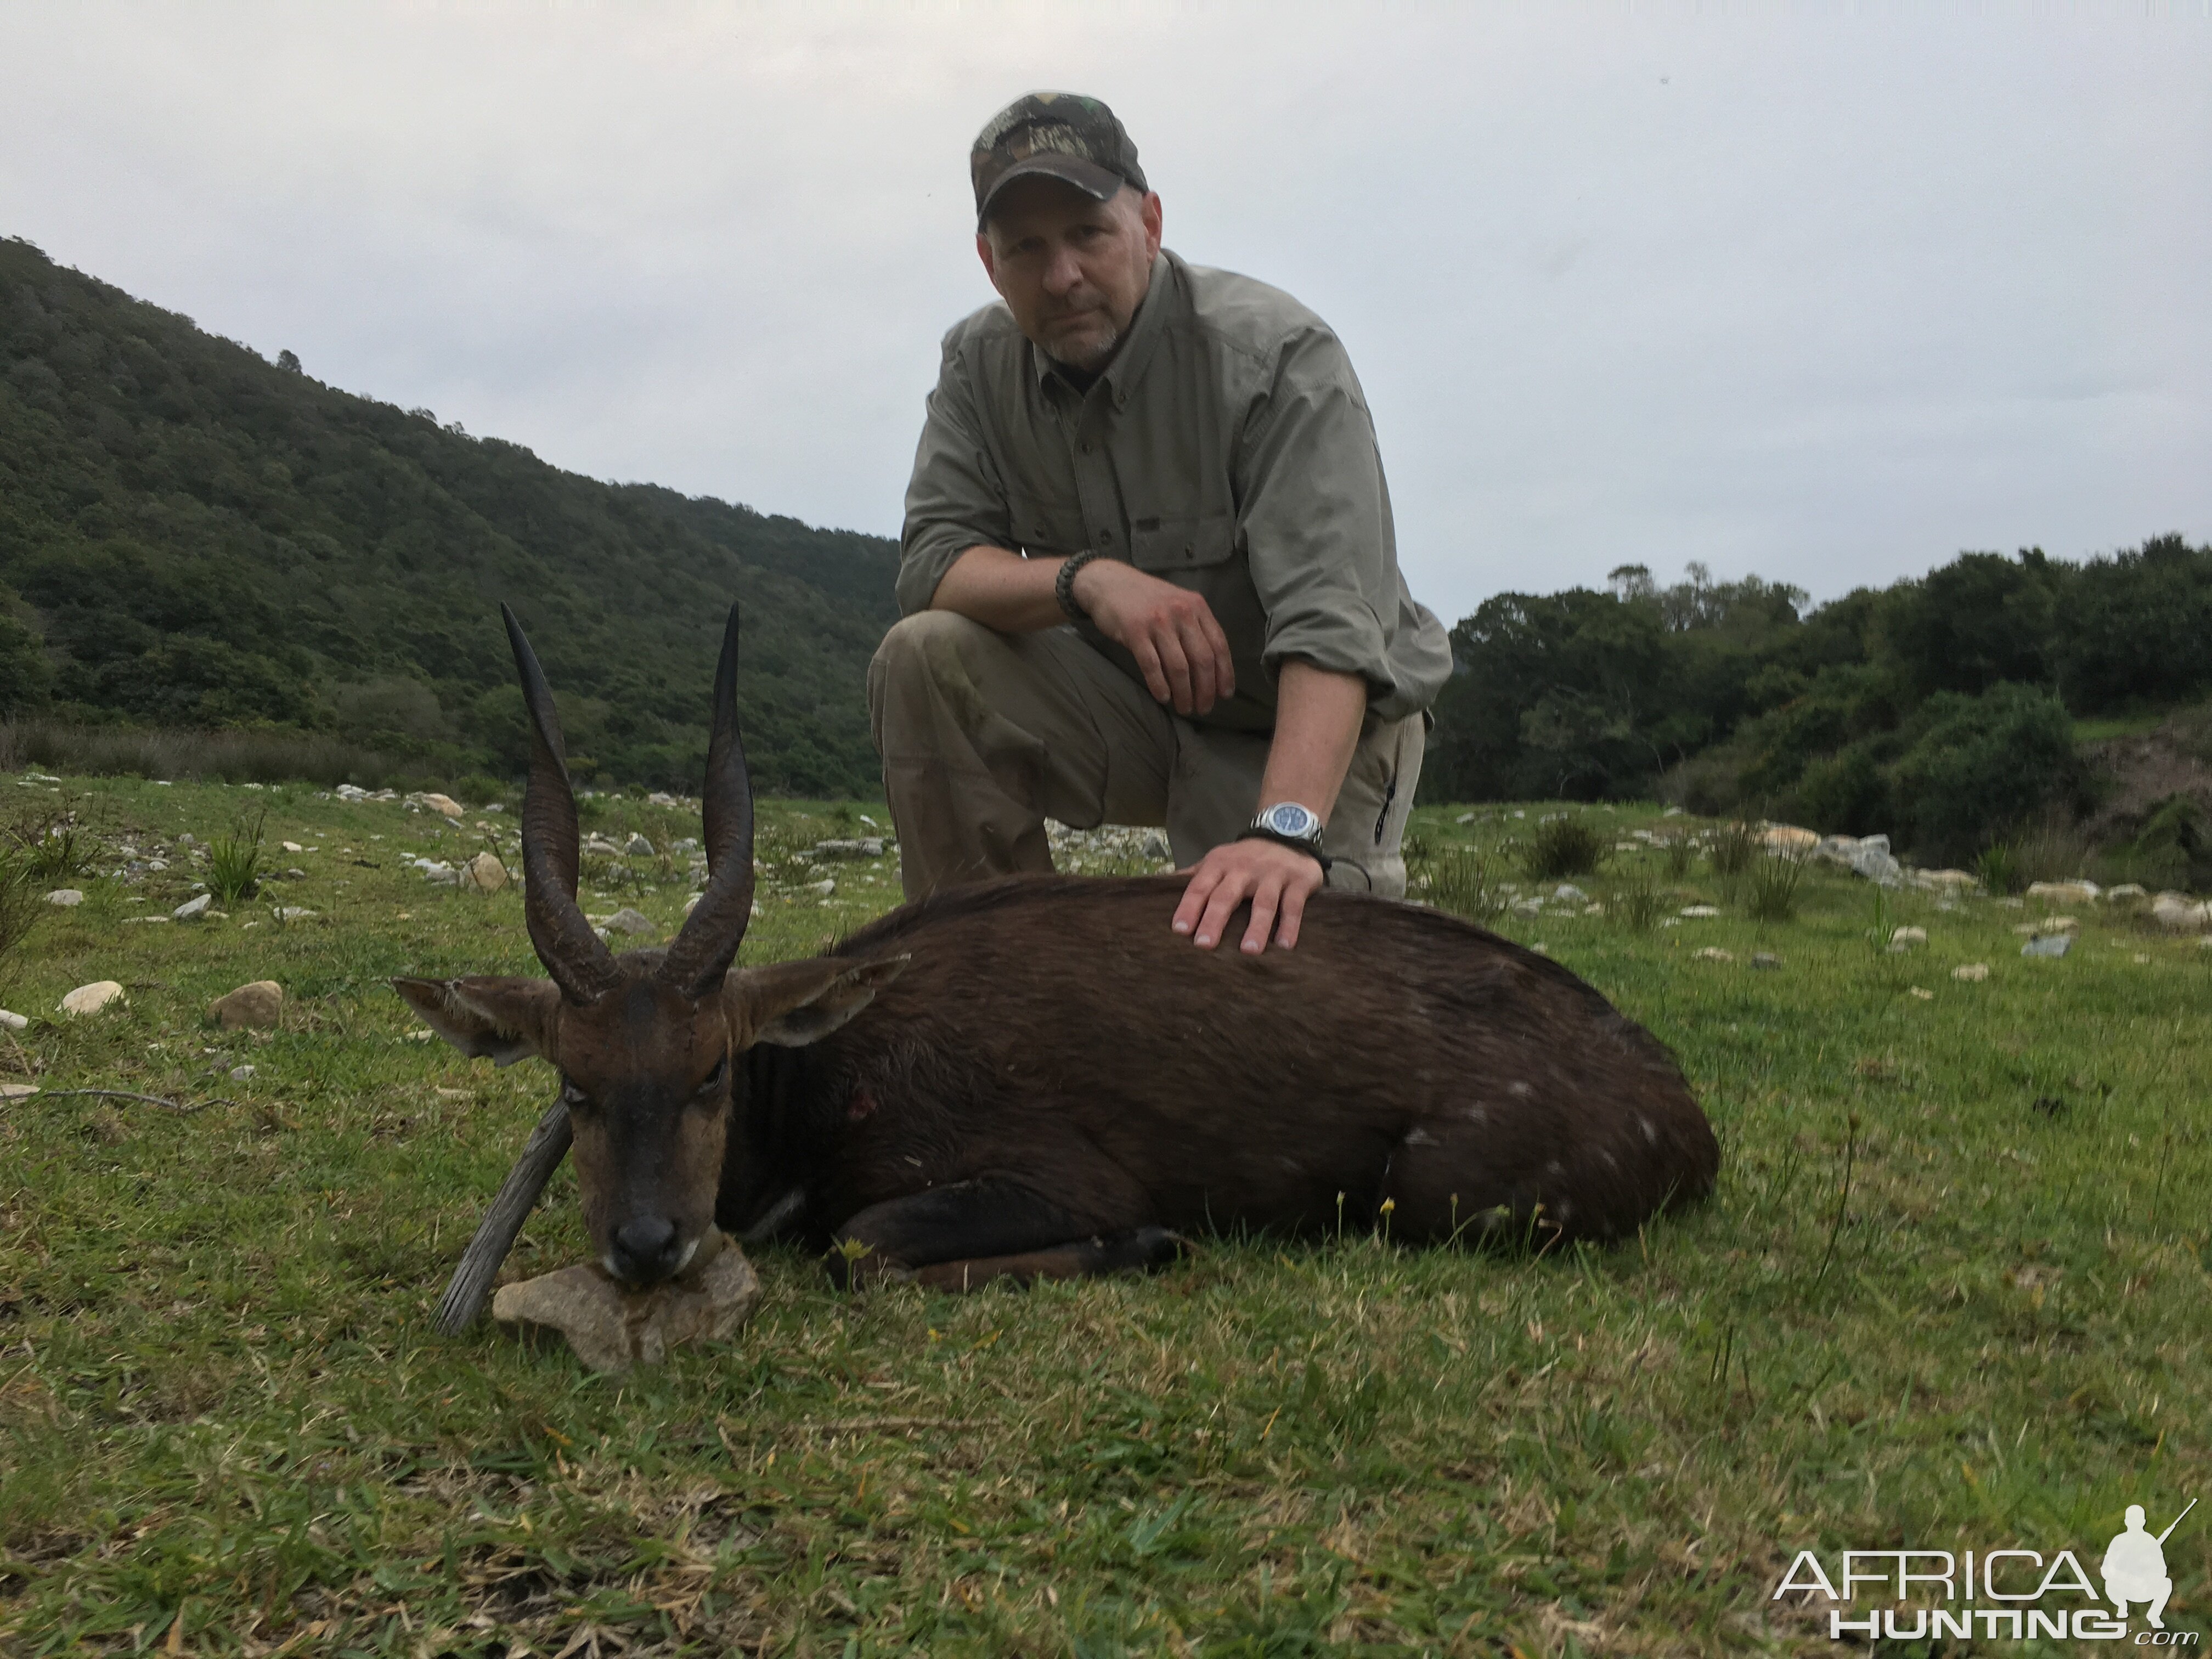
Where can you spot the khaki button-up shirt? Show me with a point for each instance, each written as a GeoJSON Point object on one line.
{"type": "Point", "coordinates": [1226, 448]}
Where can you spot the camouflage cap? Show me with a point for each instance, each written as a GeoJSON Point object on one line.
{"type": "Point", "coordinates": [1061, 135]}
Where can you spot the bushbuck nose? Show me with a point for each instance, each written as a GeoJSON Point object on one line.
{"type": "Point", "coordinates": [645, 1249]}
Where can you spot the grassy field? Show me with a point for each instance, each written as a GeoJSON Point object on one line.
{"type": "Point", "coordinates": [1955, 1291]}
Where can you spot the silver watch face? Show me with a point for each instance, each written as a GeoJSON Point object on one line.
{"type": "Point", "coordinates": [1292, 820]}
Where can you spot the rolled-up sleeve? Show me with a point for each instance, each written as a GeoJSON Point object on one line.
{"type": "Point", "coordinates": [1315, 519]}
{"type": "Point", "coordinates": [956, 500]}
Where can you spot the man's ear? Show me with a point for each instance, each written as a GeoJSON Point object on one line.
{"type": "Point", "coordinates": [795, 1003]}
{"type": "Point", "coordinates": [503, 1019]}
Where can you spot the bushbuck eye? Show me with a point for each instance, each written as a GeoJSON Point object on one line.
{"type": "Point", "coordinates": [572, 1096]}
{"type": "Point", "coordinates": [714, 1080]}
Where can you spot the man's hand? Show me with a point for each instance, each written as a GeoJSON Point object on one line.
{"type": "Point", "coordinates": [1169, 630]}
{"type": "Point", "coordinates": [1278, 879]}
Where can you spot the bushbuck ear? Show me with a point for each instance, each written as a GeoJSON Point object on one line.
{"type": "Point", "coordinates": [501, 1019]}
{"type": "Point", "coordinates": [795, 1003]}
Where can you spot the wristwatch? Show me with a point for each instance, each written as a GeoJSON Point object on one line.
{"type": "Point", "coordinates": [1295, 826]}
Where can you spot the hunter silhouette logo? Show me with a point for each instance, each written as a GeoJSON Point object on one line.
{"type": "Point", "coordinates": [2134, 1566]}
{"type": "Point", "coordinates": [1997, 1594]}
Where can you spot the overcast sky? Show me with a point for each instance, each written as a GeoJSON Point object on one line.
{"type": "Point", "coordinates": [1824, 294]}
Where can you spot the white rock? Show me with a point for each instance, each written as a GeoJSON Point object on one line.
{"type": "Point", "coordinates": [2048, 944]}
{"type": "Point", "coordinates": [17, 1091]}
{"type": "Point", "coordinates": [483, 874]}
{"type": "Point", "coordinates": [192, 908]}
{"type": "Point", "coordinates": [1972, 972]}
{"type": "Point", "coordinates": [2063, 892]}
{"type": "Point", "coordinates": [626, 921]}
{"type": "Point", "coordinates": [1713, 953]}
{"type": "Point", "coordinates": [2179, 913]}
{"type": "Point", "coordinates": [12, 1022]}
{"type": "Point", "coordinates": [291, 846]}
{"type": "Point", "coordinates": [445, 805]}
{"type": "Point", "coordinates": [91, 998]}
{"type": "Point", "coordinates": [2126, 890]}
{"type": "Point", "coordinates": [240, 1073]}
{"type": "Point", "coordinates": [293, 912]}
{"type": "Point", "coordinates": [825, 887]}
{"type": "Point", "coordinates": [1695, 911]}
{"type": "Point", "coordinates": [1788, 838]}
{"type": "Point", "coordinates": [1570, 894]}
{"type": "Point", "coordinates": [1904, 936]}
{"type": "Point", "coordinates": [638, 846]}
{"type": "Point", "coordinates": [65, 897]}
{"type": "Point", "coordinates": [612, 1328]}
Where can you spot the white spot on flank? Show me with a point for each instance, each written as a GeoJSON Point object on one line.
{"type": "Point", "coordinates": [1650, 1131]}
{"type": "Point", "coordinates": [1473, 1114]}
{"type": "Point", "coordinates": [1555, 1168]}
{"type": "Point", "coordinates": [1519, 1090]}
{"type": "Point", "coordinates": [1421, 1138]}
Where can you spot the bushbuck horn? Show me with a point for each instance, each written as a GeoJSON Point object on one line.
{"type": "Point", "coordinates": [576, 957]}
{"type": "Point", "coordinates": [702, 951]}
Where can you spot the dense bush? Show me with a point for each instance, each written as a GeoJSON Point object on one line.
{"type": "Point", "coordinates": [1977, 767]}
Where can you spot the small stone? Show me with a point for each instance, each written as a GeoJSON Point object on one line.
{"type": "Point", "coordinates": [65, 897]}
{"type": "Point", "coordinates": [1695, 911]}
{"type": "Point", "coordinates": [91, 998]}
{"type": "Point", "coordinates": [2060, 925]}
{"type": "Point", "coordinates": [2126, 890]}
{"type": "Point", "coordinates": [2063, 892]}
{"type": "Point", "coordinates": [484, 873]}
{"type": "Point", "coordinates": [446, 805]}
{"type": "Point", "coordinates": [1569, 893]}
{"type": "Point", "coordinates": [17, 1091]}
{"type": "Point", "coordinates": [612, 1327]}
{"type": "Point", "coordinates": [2048, 944]}
{"type": "Point", "coordinates": [191, 909]}
{"type": "Point", "coordinates": [1766, 960]}
{"type": "Point", "coordinates": [1788, 838]}
{"type": "Point", "coordinates": [185, 840]}
{"type": "Point", "coordinates": [291, 846]}
{"type": "Point", "coordinates": [638, 846]}
{"type": "Point", "coordinates": [2176, 912]}
{"type": "Point", "coordinates": [12, 1022]}
{"type": "Point", "coordinates": [255, 1007]}
{"type": "Point", "coordinates": [1905, 938]}
{"type": "Point", "coordinates": [293, 912]}
{"type": "Point", "coordinates": [626, 921]}
{"type": "Point", "coordinates": [1920, 995]}
{"type": "Point", "coordinates": [825, 887]}
{"type": "Point", "coordinates": [1973, 973]}
{"type": "Point", "coordinates": [240, 1073]}
{"type": "Point", "coordinates": [1713, 953]}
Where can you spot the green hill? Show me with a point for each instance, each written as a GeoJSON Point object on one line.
{"type": "Point", "coordinates": [192, 535]}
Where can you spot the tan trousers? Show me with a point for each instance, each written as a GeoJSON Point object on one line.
{"type": "Point", "coordinates": [985, 735]}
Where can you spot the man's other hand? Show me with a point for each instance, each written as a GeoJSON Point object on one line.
{"type": "Point", "coordinates": [1169, 630]}
{"type": "Point", "coordinates": [1278, 879]}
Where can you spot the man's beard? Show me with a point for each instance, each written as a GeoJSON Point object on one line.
{"type": "Point", "coordinates": [1092, 354]}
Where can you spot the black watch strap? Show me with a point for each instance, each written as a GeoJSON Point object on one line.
{"type": "Point", "coordinates": [1292, 842]}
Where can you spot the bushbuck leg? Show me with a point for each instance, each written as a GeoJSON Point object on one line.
{"type": "Point", "coordinates": [961, 1237]}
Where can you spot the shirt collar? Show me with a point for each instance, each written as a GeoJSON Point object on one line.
{"type": "Point", "coordinates": [1164, 302]}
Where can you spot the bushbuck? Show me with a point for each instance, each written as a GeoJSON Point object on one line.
{"type": "Point", "coordinates": [1034, 1077]}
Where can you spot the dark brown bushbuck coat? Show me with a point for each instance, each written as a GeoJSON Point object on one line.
{"type": "Point", "coordinates": [1036, 1077]}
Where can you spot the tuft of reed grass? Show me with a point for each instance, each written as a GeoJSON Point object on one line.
{"type": "Point", "coordinates": [1732, 850]}
{"type": "Point", "coordinates": [1461, 880]}
{"type": "Point", "coordinates": [1999, 869]}
{"type": "Point", "coordinates": [234, 863]}
{"type": "Point", "coordinates": [1636, 905]}
{"type": "Point", "coordinates": [1563, 847]}
{"type": "Point", "coordinates": [1771, 893]}
{"type": "Point", "coordinates": [1678, 849]}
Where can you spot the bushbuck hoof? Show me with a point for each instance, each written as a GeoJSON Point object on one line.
{"type": "Point", "coordinates": [613, 1328]}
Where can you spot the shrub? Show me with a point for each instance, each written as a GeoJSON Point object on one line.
{"type": "Point", "coordinates": [1563, 847]}
{"type": "Point", "coordinates": [1678, 849]}
{"type": "Point", "coordinates": [1732, 850]}
{"type": "Point", "coordinates": [1978, 766]}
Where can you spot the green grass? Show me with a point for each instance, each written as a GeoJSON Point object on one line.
{"type": "Point", "coordinates": [2125, 726]}
{"type": "Point", "coordinates": [223, 1416]}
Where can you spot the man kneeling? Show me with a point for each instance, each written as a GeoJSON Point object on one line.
{"type": "Point", "coordinates": [1148, 567]}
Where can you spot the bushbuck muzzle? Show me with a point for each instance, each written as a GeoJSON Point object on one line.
{"type": "Point", "coordinates": [646, 1042]}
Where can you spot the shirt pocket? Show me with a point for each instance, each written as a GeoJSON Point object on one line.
{"type": "Point", "coordinates": [1173, 545]}
{"type": "Point", "coordinates": [1041, 527]}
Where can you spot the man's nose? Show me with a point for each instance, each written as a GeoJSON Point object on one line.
{"type": "Point", "coordinates": [1063, 274]}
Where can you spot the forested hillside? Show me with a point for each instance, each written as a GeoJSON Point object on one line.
{"type": "Point", "coordinates": [191, 535]}
{"type": "Point", "coordinates": [1942, 710]}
